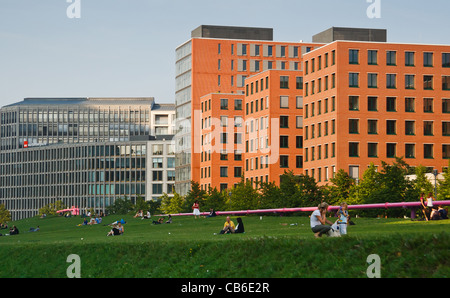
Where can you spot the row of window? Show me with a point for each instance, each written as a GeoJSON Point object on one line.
{"type": "Point", "coordinates": [373, 102]}
{"type": "Point", "coordinates": [428, 58]}
{"type": "Point", "coordinates": [315, 152]}
{"type": "Point", "coordinates": [428, 81]}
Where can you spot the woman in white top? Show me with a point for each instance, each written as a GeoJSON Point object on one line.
{"type": "Point", "coordinates": [319, 220]}
{"type": "Point", "coordinates": [430, 203]}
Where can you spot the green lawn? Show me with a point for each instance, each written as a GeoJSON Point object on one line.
{"type": "Point", "coordinates": [273, 246]}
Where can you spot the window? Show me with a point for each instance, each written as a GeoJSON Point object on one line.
{"type": "Point", "coordinates": [427, 59]}
{"type": "Point", "coordinates": [372, 150]}
{"type": "Point", "coordinates": [372, 103]}
{"type": "Point", "coordinates": [157, 163]}
{"type": "Point", "coordinates": [446, 129]}
{"type": "Point", "coordinates": [223, 138]}
{"type": "Point", "coordinates": [157, 189]}
{"type": "Point", "coordinates": [238, 104]}
{"type": "Point", "coordinates": [353, 149]}
{"type": "Point", "coordinates": [410, 150]}
{"type": "Point", "coordinates": [353, 79]}
{"type": "Point", "coordinates": [299, 82]}
{"type": "Point", "coordinates": [299, 122]}
{"type": "Point", "coordinates": [445, 82]}
{"type": "Point", "coordinates": [446, 151]}
{"type": "Point", "coordinates": [445, 59]}
{"type": "Point", "coordinates": [284, 82]}
{"type": "Point", "coordinates": [372, 57]}
{"type": "Point", "coordinates": [237, 172]}
{"type": "Point", "coordinates": [224, 104]}
{"type": "Point", "coordinates": [391, 81]}
{"type": "Point", "coordinates": [353, 56]}
{"type": "Point", "coordinates": [445, 105]}
{"type": "Point", "coordinates": [299, 162]}
{"type": "Point", "coordinates": [428, 105]}
{"type": "Point", "coordinates": [223, 171]}
{"type": "Point", "coordinates": [409, 104]}
{"type": "Point", "coordinates": [410, 128]}
{"type": "Point", "coordinates": [428, 151]}
{"type": "Point", "coordinates": [353, 103]}
{"type": "Point", "coordinates": [391, 150]}
{"type": "Point", "coordinates": [428, 128]}
{"type": "Point", "coordinates": [391, 104]}
{"type": "Point", "coordinates": [391, 127]}
{"type": "Point", "coordinates": [224, 121]}
{"type": "Point", "coordinates": [409, 81]}
{"type": "Point", "coordinates": [372, 80]}
{"type": "Point", "coordinates": [238, 138]}
{"type": "Point", "coordinates": [284, 121]}
{"type": "Point", "coordinates": [372, 127]}
{"type": "Point", "coordinates": [284, 102]}
{"type": "Point", "coordinates": [284, 161]}
{"type": "Point", "coordinates": [284, 141]}
{"type": "Point", "coordinates": [391, 58]}
{"type": "Point", "coordinates": [223, 186]}
{"type": "Point", "coordinates": [353, 126]}
{"type": "Point", "coordinates": [428, 82]}
{"type": "Point", "coordinates": [299, 142]}
{"type": "Point", "coordinates": [299, 102]}
{"type": "Point", "coordinates": [157, 175]}
{"type": "Point", "coordinates": [409, 58]}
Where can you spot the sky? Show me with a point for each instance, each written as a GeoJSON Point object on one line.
{"type": "Point", "coordinates": [126, 48]}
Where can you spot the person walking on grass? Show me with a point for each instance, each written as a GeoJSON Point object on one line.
{"type": "Point", "coordinates": [319, 220]}
{"type": "Point", "coordinates": [424, 207]}
{"type": "Point", "coordinates": [196, 209]}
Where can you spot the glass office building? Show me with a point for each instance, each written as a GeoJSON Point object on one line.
{"type": "Point", "coordinates": [85, 152]}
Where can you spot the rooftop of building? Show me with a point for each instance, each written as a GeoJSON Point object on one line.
{"type": "Point", "coordinates": [93, 101]}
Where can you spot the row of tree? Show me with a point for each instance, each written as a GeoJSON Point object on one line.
{"type": "Point", "coordinates": [377, 185]}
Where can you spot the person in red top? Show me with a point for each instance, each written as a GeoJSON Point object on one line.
{"type": "Point", "coordinates": [196, 209]}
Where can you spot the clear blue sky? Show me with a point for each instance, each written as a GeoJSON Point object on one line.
{"type": "Point", "coordinates": [127, 47]}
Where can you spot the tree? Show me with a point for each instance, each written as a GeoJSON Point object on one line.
{"type": "Point", "coordinates": [270, 196]}
{"type": "Point", "coordinates": [120, 206]}
{"type": "Point", "coordinates": [422, 184]}
{"type": "Point", "coordinates": [51, 208]}
{"type": "Point", "coordinates": [243, 197]}
{"type": "Point", "coordinates": [444, 185]}
{"type": "Point", "coordinates": [5, 215]}
{"type": "Point", "coordinates": [194, 194]}
{"type": "Point", "coordinates": [367, 186]}
{"type": "Point", "coordinates": [172, 205]}
{"type": "Point", "coordinates": [343, 186]}
{"type": "Point", "coordinates": [215, 199]}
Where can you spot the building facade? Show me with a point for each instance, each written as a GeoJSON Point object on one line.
{"type": "Point", "coordinates": [218, 59]}
{"type": "Point", "coordinates": [368, 102]}
{"type": "Point", "coordinates": [85, 152]}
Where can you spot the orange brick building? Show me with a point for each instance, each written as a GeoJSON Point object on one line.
{"type": "Point", "coordinates": [367, 102]}
{"type": "Point", "coordinates": [273, 125]}
{"type": "Point", "coordinates": [219, 60]}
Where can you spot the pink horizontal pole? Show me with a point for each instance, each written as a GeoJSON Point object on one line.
{"type": "Point", "coordinates": [310, 209]}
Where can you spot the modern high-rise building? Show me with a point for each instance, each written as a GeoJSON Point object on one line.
{"type": "Point", "coordinates": [368, 102]}
{"type": "Point", "coordinates": [85, 152]}
{"type": "Point", "coordinates": [219, 59]}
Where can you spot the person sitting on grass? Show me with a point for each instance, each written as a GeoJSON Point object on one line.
{"type": "Point", "coordinates": [114, 231]}
{"type": "Point", "coordinates": [169, 220]}
{"type": "Point", "coordinates": [240, 226]}
{"type": "Point", "coordinates": [319, 220]}
{"type": "Point", "coordinates": [228, 227]}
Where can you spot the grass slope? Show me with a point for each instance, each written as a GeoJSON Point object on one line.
{"type": "Point", "coordinates": [273, 247]}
